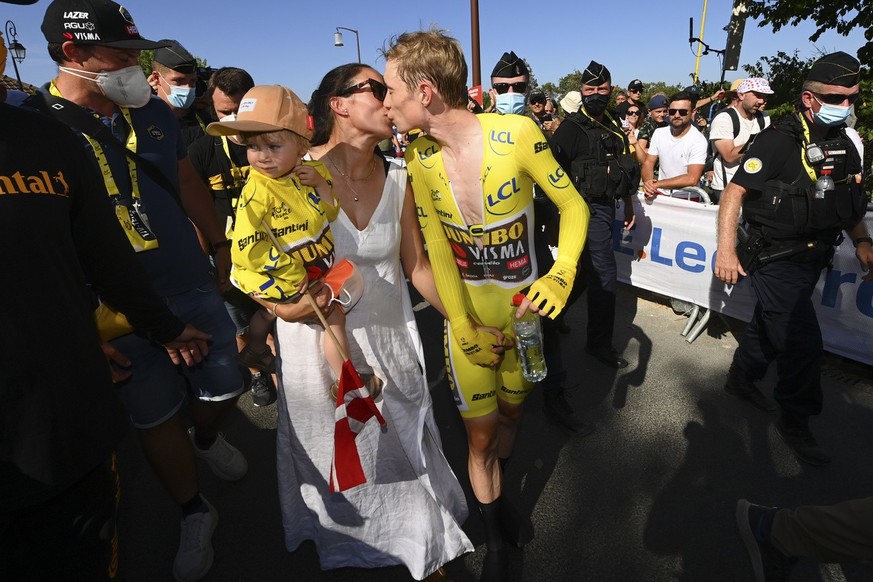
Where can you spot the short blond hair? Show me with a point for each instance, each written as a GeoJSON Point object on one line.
{"type": "Point", "coordinates": [431, 56]}
{"type": "Point", "coordinates": [275, 137]}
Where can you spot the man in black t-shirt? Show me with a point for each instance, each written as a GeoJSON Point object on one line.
{"type": "Point", "coordinates": [60, 417]}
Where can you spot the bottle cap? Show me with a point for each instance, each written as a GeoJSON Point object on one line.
{"type": "Point", "coordinates": [517, 299]}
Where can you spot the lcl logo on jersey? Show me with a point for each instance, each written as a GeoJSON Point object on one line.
{"type": "Point", "coordinates": [559, 179]}
{"type": "Point", "coordinates": [496, 201]}
{"type": "Point", "coordinates": [425, 156]}
{"type": "Point", "coordinates": [501, 142]}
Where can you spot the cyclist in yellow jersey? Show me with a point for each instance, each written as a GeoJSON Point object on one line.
{"type": "Point", "coordinates": [472, 177]}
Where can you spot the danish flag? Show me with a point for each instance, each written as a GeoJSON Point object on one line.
{"type": "Point", "coordinates": [354, 407]}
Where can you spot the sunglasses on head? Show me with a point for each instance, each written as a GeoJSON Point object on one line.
{"type": "Point", "coordinates": [681, 112]}
{"type": "Point", "coordinates": [517, 87]}
{"type": "Point", "coordinates": [379, 89]}
{"type": "Point", "coordinates": [634, 112]}
{"type": "Point", "coordinates": [836, 98]}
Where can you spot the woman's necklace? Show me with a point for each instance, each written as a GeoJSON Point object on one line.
{"type": "Point", "coordinates": [349, 179]}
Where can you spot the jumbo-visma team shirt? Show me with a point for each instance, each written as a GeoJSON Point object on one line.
{"type": "Point", "coordinates": [283, 212]}
{"type": "Point", "coordinates": [496, 259]}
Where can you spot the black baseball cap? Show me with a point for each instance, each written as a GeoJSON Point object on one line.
{"type": "Point", "coordinates": [174, 56]}
{"type": "Point", "coordinates": [99, 22]}
{"type": "Point", "coordinates": [635, 85]}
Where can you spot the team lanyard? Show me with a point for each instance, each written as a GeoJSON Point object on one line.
{"type": "Point", "coordinates": [235, 171]}
{"type": "Point", "coordinates": [806, 139]}
{"type": "Point", "coordinates": [133, 221]}
{"type": "Point", "coordinates": [621, 137]}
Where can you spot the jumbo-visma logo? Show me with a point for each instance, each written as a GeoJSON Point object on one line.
{"type": "Point", "coordinates": [501, 142]}
{"type": "Point", "coordinates": [426, 157]}
{"type": "Point", "coordinates": [505, 199]}
{"type": "Point", "coordinates": [558, 178]}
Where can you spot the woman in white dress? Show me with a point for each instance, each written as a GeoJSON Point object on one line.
{"type": "Point", "coordinates": [410, 510]}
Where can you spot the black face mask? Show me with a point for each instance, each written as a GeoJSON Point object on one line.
{"type": "Point", "coordinates": [595, 104]}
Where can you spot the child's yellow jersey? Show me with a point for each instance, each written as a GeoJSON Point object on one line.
{"type": "Point", "coordinates": [298, 222]}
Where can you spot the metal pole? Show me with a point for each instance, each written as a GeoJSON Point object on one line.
{"type": "Point", "coordinates": [12, 37]}
{"type": "Point", "coordinates": [700, 44]}
{"type": "Point", "coordinates": [357, 39]}
{"type": "Point", "coordinates": [474, 30]}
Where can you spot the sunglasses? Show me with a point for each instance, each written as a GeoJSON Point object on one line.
{"type": "Point", "coordinates": [836, 98]}
{"type": "Point", "coordinates": [635, 112]}
{"type": "Point", "coordinates": [517, 87]}
{"type": "Point", "coordinates": [379, 90]}
{"type": "Point", "coordinates": [680, 112]}
{"type": "Point", "coordinates": [634, 90]}
{"type": "Point", "coordinates": [537, 101]}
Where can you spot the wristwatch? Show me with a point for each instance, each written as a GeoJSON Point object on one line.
{"type": "Point", "coordinates": [213, 247]}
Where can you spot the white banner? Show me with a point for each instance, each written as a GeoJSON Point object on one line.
{"type": "Point", "coordinates": [671, 251]}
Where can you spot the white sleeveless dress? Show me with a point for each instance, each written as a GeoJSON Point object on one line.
{"type": "Point", "coordinates": [410, 510]}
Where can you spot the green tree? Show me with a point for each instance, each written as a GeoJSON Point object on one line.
{"type": "Point", "coordinates": [843, 16]}
{"type": "Point", "coordinates": [786, 74]}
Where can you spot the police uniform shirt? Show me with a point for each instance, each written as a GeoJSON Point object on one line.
{"type": "Point", "coordinates": [570, 142]}
{"type": "Point", "coordinates": [774, 155]}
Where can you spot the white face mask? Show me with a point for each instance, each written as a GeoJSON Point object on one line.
{"type": "Point", "coordinates": [127, 87]}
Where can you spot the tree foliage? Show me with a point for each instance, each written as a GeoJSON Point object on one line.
{"type": "Point", "coordinates": [786, 74]}
{"type": "Point", "coordinates": [842, 16]}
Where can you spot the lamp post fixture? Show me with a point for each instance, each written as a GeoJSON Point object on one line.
{"type": "Point", "coordinates": [16, 50]}
{"type": "Point", "coordinates": [338, 39]}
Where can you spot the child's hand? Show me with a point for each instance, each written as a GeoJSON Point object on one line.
{"type": "Point", "coordinates": [309, 176]}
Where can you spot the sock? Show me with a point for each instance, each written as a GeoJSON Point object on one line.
{"type": "Point", "coordinates": [491, 516]}
{"type": "Point", "coordinates": [761, 520]}
{"type": "Point", "coordinates": [194, 505]}
{"type": "Point", "coordinates": [204, 444]}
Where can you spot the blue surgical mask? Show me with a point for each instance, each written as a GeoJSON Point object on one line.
{"type": "Point", "coordinates": [180, 97]}
{"type": "Point", "coordinates": [510, 103]}
{"type": "Point", "coordinates": [830, 115]}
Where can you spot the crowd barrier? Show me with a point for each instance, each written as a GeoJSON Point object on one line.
{"type": "Point", "coordinates": [671, 251]}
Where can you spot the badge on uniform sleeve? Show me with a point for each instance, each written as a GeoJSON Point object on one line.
{"type": "Point", "coordinates": [752, 165]}
{"type": "Point", "coordinates": [155, 132]}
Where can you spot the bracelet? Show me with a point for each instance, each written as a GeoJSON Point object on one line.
{"type": "Point", "coordinates": [863, 239]}
{"type": "Point", "coordinates": [213, 247]}
{"type": "Point", "coordinates": [273, 310]}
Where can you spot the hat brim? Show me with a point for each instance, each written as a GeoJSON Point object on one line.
{"type": "Point", "coordinates": [237, 127]}
{"type": "Point", "coordinates": [134, 44]}
{"type": "Point", "coordinates": [19, 2]}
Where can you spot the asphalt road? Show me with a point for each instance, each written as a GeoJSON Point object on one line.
{"type": "Point", "coordinates": [650, 496]}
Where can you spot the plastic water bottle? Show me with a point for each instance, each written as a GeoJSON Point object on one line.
{"type": "Point", "coordinates": [823, 184]}
{"type": "Point", "coordinates": [529, 339]}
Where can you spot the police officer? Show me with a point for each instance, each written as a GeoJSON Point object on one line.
{"type": "Point", "coordinates": [799, 186]}
{"type": "Point", "coordinates": [510, 77]}
{"type": "Point", "coordinates": [594, 150]}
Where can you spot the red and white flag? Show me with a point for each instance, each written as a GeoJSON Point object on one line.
{"type": "Point", "coordinates": [354, 407]}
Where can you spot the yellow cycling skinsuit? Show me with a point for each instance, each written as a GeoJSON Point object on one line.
{"type": "Point", "coordinates": [478, 268]}
{"type": "Point", "coordinates": [298, 221]}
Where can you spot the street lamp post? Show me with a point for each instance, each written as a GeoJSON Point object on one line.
{"type": "Point", "coordinates": [338, 39]}
{"type": "Point", "coordinates": [16, 50]}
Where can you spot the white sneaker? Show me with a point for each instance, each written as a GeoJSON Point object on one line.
{"type": "Point", "coordinates": [195, 554]}
{"type": "Point", "coordinates": [224, 459]}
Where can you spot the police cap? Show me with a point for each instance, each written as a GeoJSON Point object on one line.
{"type": "Point", "coordinates": [595, 74]}
{"type": "Point", "coordinates": [836, 68]}
{"type": "Point", "coordinates": [510, 66]}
